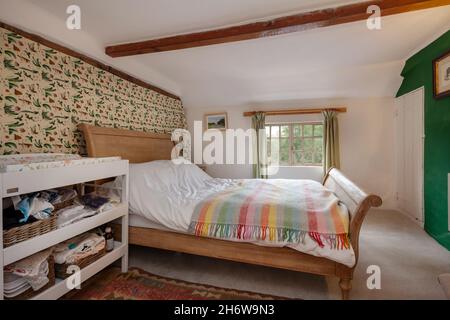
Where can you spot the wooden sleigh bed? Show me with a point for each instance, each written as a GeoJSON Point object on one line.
{"type": "Point", "coordinates": [139, 147]}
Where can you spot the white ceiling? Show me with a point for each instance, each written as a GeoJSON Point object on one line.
{"type": "Point", "coordinates": [335, 62]}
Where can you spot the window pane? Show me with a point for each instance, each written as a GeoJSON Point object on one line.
{"type": "Point", "coordinates": [307, 158]}
{"type": "Point", "coordinates": [308, 144]}
{"type": "Point", "coordinates": [284, 143]}
{"type": "Point", "coordinates": [297, 130]}
{"type": "Point", "coordinates": [284, 157]}
{"type": "Point", "coordinates": [318, 158]}
{"type": "Point", "coordinates": [308, 130]}
{"type": "Point", "coordinates": [305, 148]}
{"type": "Point", "coordinates": [284, 151]}
{"type": "Point", "coordinates": [298, 144]}
{"type": "Point", "coordinates": [285, 131]}
{"type": "Point", "coordinates": [318, 142]}
{"type": "Point", "coordinates": [318, 130]}
{"type": "Point", "coordinates": [318, 150]}
{"type": "Point", "coordinates": [275, 131]}
{"type": "Point", "coordinates": [274, 151]}
{"type": "Point", "coordinates": [297, 157]}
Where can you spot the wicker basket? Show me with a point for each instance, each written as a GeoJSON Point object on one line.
{"type": "Point", "coordinates": [27, 231]}
{"type": "Point", "coordinates": [30, 293]}
{"type": "Point", "coordinates": [64, 204]}
{"type": "Point", "coordinates": [37, 228]}
{"type": "Point", "coordinates": [61, 269]}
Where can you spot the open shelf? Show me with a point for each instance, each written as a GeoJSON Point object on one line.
{"type": "Point", "coordinates": [28, 181]}
{"type": "Point", "coordinates": [60, 288]}
{"type": "Point", "coordinates": [26, 248]}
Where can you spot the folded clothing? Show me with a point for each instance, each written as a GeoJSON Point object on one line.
{"type": "Point", "coordinates": [74, 250]}
{"type": "Point", "coordinates": [87, 206]}
{"type": "Point", "coordinates": [29, 208]}
{"type": "Point", "coordinates": [33, 205]}
{"type": "Point", "coordinates": [73, 214]}
{"type": "Point", "coordinates": [12, 218]}
{"type": "Point", "coordinates": [94, 201]}
{"type": "Point", "coordinates": [58, 196]}
{"type": "Point", "coordinates": [33, 270]}
{"type": "Point", "coordinates": [49, 195]}
{"type": "Point", "coordinates": [15, 285]}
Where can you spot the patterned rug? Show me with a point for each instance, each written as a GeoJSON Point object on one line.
{"type": "Point", "coordinates": [138, 284]}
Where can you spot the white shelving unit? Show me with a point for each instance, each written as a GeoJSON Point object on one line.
{"type": "Point", "coordinates": [18, 183]}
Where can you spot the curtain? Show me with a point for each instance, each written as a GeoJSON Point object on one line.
{"type": "Point", "coordinates": [259, 146]}
{"type": "Point", "coordinates": [330, 141]}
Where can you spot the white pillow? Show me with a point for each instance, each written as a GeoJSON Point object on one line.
{"type": "Point", "coordinates": [164, 175]}
{"type": "Point", "coordinates": [166, 193]}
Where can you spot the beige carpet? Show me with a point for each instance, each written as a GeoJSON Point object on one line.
{"type": "Point", "coordinates": [410, 263]}
{"type": "Point", "coordinates": [444, 280]}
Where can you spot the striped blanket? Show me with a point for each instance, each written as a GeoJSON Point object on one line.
{"type": "Point", "coordinates": [280, 211]}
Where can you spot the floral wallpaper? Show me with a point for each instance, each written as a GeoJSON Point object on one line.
{"type": "Point", "coordinates": [45, 94]}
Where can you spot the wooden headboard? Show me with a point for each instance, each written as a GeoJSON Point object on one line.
{"type": "Point", "coordinates": [135, 146]}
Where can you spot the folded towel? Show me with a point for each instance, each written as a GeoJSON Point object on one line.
{"type": "Point", "coordinates": [14, 285]}
{"type": "Point", "coordinates": [73, 214]}
{"type": "Point", "coordinates": [34, 269]}
{"type": "Point", "coordinates": [75, 249]}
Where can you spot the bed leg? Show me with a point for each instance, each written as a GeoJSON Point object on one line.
{"type": "Point", "coordinates": [124, 263]}
{"type": "Point", "coordinates": [346, 286]}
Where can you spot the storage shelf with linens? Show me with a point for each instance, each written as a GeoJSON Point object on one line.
{"type": "Point", "coordinates": [68, 219]}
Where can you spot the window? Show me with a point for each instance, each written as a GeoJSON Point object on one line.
{"type": "Point", "coordinates": [295, 144]}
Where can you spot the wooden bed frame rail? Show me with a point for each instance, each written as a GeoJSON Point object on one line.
{"type": "Point", "coordinates": [141, 147]}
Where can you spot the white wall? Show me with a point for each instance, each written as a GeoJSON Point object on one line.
{"type": "Point", "coordinates": [366, 140]}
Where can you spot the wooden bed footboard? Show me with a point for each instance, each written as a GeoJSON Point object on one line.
{"type": "Point", "coordinates": [138, 147]}
{"type": "Point", "coordinates": [356, 200]}
{"type": "Point", "coordinates": [358, 203]}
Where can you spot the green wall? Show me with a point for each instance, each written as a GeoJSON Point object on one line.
{"type": "Point", "coordinates": [418, 72]}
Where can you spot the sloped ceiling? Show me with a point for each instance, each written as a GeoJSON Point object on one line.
{"type": "Point", "coordinates": [335, 62]}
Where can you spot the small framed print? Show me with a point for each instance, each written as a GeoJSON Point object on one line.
{"type": "Point", "coordinates": [441, 76]}
{"type": "Point", "coordinates": [218, 121]}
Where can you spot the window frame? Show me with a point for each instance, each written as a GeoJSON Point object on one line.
{"type": "Point", "coordinates": [291, 141]}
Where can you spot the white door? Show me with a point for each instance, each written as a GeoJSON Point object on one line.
{"type": "Point", "coordinates": [409, 153]}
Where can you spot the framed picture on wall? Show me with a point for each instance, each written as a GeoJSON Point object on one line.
{"type": "Point", "coordinates": [441, 76]}
{"type": "Point", "coordinates": [218, 121]}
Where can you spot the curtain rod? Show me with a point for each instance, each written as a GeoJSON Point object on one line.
{"type": "Point", "coordinates": [295, 111]}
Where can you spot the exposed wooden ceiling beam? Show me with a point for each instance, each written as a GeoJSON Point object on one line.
{"type": "Point", "coordinates": [283, 25]}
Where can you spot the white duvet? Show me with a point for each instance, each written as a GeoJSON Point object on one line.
{"type": "Point", "coordinates": [166, 194]}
